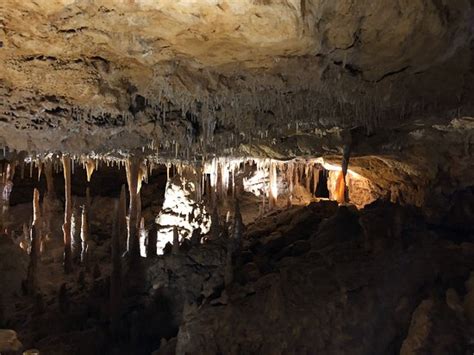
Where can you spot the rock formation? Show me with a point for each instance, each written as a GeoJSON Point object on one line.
{"type": "Point", "coordinates": [66, 161]}
{"type": "Point", "coordinates": [336, 137]}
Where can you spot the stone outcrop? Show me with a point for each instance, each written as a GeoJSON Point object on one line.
{"type": "Point", "coordinates": [333, 291]}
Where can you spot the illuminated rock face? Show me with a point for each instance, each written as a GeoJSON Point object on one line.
{"type": "Point", "coordinates": [180, 209]}
{"type": "Point", "coordinates": [83, 76]}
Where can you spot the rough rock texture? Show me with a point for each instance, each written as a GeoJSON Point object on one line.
{"type": "Point", "coordinates": [351, 290]}
{"type": "Point", "coordinates": [187, 278]}
{"type": "Point", "coordinates": [13, 264]}
{"type": "Point", "coordinates": [435, 329]}
{"type": "Point", "coordinates": [9, 341]}
{"type": "Point", "coordinates": [104, 74]}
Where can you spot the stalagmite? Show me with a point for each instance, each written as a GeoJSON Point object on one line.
{"type": "Point", "coordinates": [122, 220]}
{"type": "Point", "coordinates": [175, 249]}
{"type": "Point", "coordinates": [341, 185]}
{"type": "Point", "coordinates": [133, 165]}
{"type": "Point", "coordinates": [215, 224]}
{"type": "Point", "coordinates": [85, 238]}
{"type": "Point", "coordinates": [152, 239]}
{"type": "Point", "coordinates": [139, 208]}
{"type": "Point", "coordinates": [5, 198]}
{"type": "Point", "coordinates": [22, 169]}
{"type": "Point", "coordinates": [76, 241]}
{"type": "Point", "coordinates": [88, 206]}
{"type": "Point", "coordinates": [196, 237]}
{"type": "Point", "coordinates": [32, 274]}
{"type": "Point", "coordinates": [273, 190]}
{"type": "Point", "coordinates": [229, 267]}
{"type": "Point", "coordinates": [49, 198]}
{"type": "Point", "coordinates": [234, 245]}
{"type": "Point", "coordinates": [238, 226]}
{"type": "Point", "coordinates": [143, 235]}
{"type": "Point", "coordinates": [67, 214]}
{"type": "Point", "coordinates": [116, 275]}
{"type": "Point", "coordinates": [25, 243]}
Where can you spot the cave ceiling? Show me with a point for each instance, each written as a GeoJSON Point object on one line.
{"type": "Point", "coordinates": [222, 76]}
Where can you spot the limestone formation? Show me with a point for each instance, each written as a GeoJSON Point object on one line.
{"type": "Point", "coordinates": [336, 137]}
{"type": "Point", "coordinates": [152, 241]}
{"type": "Point", "coordinates": [143, 236]}
{"type": "Point", "coordinates": [122, 220]}
{"type": "Point", "coordinates": [238, 227]}
{"type": "Point", "coordinates": [90, 167]}
{"type": "Point", "coordinates": [133, 246]}
{"type": "Point", "coordinates": [66, 162]}
{"type": "Point", "coordinates": [85, 238]}
{"type": "Point", "coordinates": [116, 275]}
{"type": "Point", "coordinates": [215, 224]}
{"type": "Point", "coordinates": [32, 282]}
{"type": "Point", "coordinates": [48, 172]}
{"type": "Point", "coordinates": [76, 241]}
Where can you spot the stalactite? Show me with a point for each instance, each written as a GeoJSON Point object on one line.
{"type": "Point", "coordinates": [67, 214]}
{"type": "Point", "coordinates": [48, 171]}
{"type": "Point", "coordinates": [315, 180]}
{"type": "Point", "coordinates": [273, 188]}
{"type": "Point", "coordinates": [90, 167]}
{"type": "Point", "coordinates": [85, 257]}
{"type": "Point", "coordinates": [175, 249]}
{"type": "Point", "coordinates": [300, 172]}
{"type": "Point", "coordinates": [39, 165]}
{"type": "Point", "coordinates": [290, 173]}
{"type": "Point", "coordinates": [142, 176]}
{"type": "Point", "coordinates": [307, 173]}
{"type": "Point", "coordinates": [132, 168]}
{"type": "Point", "coordinates": [32, 273]}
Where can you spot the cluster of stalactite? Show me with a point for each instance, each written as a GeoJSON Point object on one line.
{"type": "Point", "coordinates": [214, 180]}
